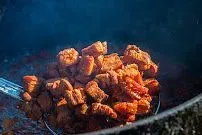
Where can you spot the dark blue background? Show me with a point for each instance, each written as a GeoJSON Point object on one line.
{"type": "Point", "coordinates": [173, 28]}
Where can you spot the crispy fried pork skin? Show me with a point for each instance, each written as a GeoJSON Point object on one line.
{"type": "Point", "coordinates": [133, 54]}
{"type": "Point", "coordinates": [143, 106]}
{"type": "Point", "coordinates": [32, 85]}
{"type": "Point", "coordinates": [95, 49]}
{"type": "Point", "coordinates": [86, 65]}
{"type": "Point", "coordinates": [111, 62]}
{"type": "Point", "coordinates": [68, 57]}
{"type": "Point", "coordinates": [74, 97]}
{"type": "Point", "coordinates": [126, 108]}
{"type": "Point", "coordinates": [153, 86]}
{"type": "Point", "coordinates": [93, 91]}
{"type": "Point", "coordinates": [100, 109]}
{"type": "Point", "coordinates": [58, 86]}
{"type": "Point", "coordinates": [26, 96]}
{"type": "Point", "coordinates": [132, 88]}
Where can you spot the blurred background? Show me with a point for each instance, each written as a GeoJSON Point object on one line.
{"type": "Point", "coordinates": [173, 28]}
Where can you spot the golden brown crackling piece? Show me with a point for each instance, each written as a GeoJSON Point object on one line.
{"type": "Point", "coordinates": [132, 88]}
{"type": "Point", "coordinates": [143, 106]}
{"type": "Point", "coordinates": [95, 49]}
{"type": "Point", "coordinates": [64, 114]}
{"type": "Point", "coordinates": [107, 79]}
{"type": "Point", "coordinates": [45, 101]}
{"type": "Point", "coordinates": [118, 94]}
{"type": "Point", "coordinates": [86, 65]}
{"type": "Point", "coordinates": [95, 92]}
{"type": "Point", "coordinates": [147, 97]}
{"type": "Point", "coordinates": [126, 108]}
{"type": "Point", "coordinates": [113, 77]}
{"type": "Point", "coordinates": [58, 86]}
{"type": "Point", "coordinates": [68, 57]}
{"type": "Point", "coordinates": [133, 54]}
{"type": "Point", "coordinates": [131, 71]}
{"type": "Point", "coordinates": [100, 109]}
{"type": "Point", "coordinates": [26, 96]}
{"type": "Point", "coordinates": [74, 97]}
{"type": "Point", "coordinates": [82, 110]}
{"type": "Point", "coordinates": [111, 62]}
{"type": "Point", "coordinates": [103, 80]}
{"type": "Point", "coordinates": [35, 113]}
{"type": "Point", "coordinates": [61, 105]}
{"type": "Point", "coordinates": [153, 70]}
{"type": "Point", "coordinates": [98, 63]}
{"type": "Point", "coordinates": [130, 118]}
{"type": "Point", "coordinates": [153, 86]}
{"type": "Point", "coordinates": [32, 85]}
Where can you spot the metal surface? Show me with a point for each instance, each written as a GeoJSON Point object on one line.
{"type": "Point", "coordinates": [14, 90]}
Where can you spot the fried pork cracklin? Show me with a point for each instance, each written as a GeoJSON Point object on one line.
{"type": "Point", "coordinates": [92, 90]}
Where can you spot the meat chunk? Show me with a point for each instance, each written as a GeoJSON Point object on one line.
{"type": "Point", "coordinates": [100, 109]}
{"type": "Point", "coordinates": [45, 101]}
{"type": "Point", "coordinates": [132, 88]}
{"type": "Point", "coordinates": [98, 63]}
{"type": "Point", "coordinates": [113, 77]}
{"type": "Point", "coordinates": [130, 71]}
{"type": "Point", "coordinates": [111, 62]}
{"type": "Point", "coordinates": [143, 106]}
{"type": "Point", "coordinates": [74, 97]}
{"type": "Point", "coordinates": [103, 80]}
{"type": "Point", "coordinates": [107, 79]}
{"type": "Point", "coordinates": [26, 96]}
{"type": "Point", "coordinates": [61, 105]}
{"type": "Point", "coordinates": [152, 71]}
{"type": "Point", "coordinates": [83, 110]}
{"type": "Point", "coordinates": [95, 92]}
{"type": "Point", "coordinates": [118, 94]}
{"type": "Point", "coordinates": [152, 85]}
{"type": "Point", "coordinates": [126, 108]}
{"type": "Point", "coordinates": [86, 65]}
{"type": "Point", "coordinates": [133, 54]}
{"type": "Point", "coordinates": [68, 57]}
{"type": "Point", "coordinates": [32, 85]}
{"type": "Point", "coordinates": [64, 114]}
{"type": "Point", "coordinates": [95, 49]}
{"type": "Point", "coordinates": [58, 86]}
